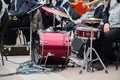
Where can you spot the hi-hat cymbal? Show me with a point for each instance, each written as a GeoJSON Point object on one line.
{"type": "Point", "coordinates": [56, 12]}
{"type": "Point", "coordinates": [92, 20]}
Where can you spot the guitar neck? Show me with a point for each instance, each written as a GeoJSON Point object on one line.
{"type": "Point", "coordinates": [91, 3]}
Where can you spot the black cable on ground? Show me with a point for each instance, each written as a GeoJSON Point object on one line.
{"type": "Point", "coordinates": [9, 74]}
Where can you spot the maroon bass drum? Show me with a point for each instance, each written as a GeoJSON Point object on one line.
{"type": "Point", "coordinates": [54, 47]}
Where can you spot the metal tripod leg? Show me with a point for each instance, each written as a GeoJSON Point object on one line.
{"type": "Point", "coordinates": [88, 56]}
{"type": "Point", "coordinates": [84, 58]}
{"type": "Point", "coordinates": [106, 71]}
{"type": "Point", "coordinates": [88, 61]}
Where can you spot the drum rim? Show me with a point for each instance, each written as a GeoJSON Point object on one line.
{"type": "Point", "coordinates": [88, 28]}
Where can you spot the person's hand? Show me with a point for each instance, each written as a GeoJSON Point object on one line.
{"type": "Point", "coordinates": [78, 21]}
{"type": "Point", "coordinates": [106, 27]}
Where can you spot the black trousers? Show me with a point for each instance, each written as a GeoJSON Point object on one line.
{"type": "Point", "coordinates": [103, 45]}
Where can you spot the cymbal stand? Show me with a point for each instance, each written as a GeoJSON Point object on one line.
{"type": "Point", "coordinates": [31, 31]}
{"type": "Point", "coordinates": [87, 62]}
{"type": "Point", "coordinates": [84, 53]}
{"type": "Point", "coordinates": [32, 45]}
{"type": "Point", "coordinates": [54, 21]}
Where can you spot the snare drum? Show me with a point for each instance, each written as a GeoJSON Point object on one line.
{"type": "Point", "coordinates": [87, 32]}
{"type": "Point", "coordinates": [54, 48]}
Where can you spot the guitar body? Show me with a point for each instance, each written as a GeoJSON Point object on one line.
{"type": "Point", "coordinates": [79, 7]}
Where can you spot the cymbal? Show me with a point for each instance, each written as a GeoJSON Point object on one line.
{"type": "Point", "coordinates": [56, 12]}
{"type": "Point", "coordinates": [92, 20]}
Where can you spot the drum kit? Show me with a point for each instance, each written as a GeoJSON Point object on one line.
{"type": "Point", "coordinates": [54, 46]}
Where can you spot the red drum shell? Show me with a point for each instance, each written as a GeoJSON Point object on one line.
{"type": "Point", "coordinates": [85, 32]}
{"type": "Point", "coordinates": [56, 43]}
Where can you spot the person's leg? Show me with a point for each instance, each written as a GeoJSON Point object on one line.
{"type": "Point", "coordinates": [109, 37]}
{"type": "Point", "coordinates": [10, 37]}
{"type": "Point", "coordinates": [103, 46]}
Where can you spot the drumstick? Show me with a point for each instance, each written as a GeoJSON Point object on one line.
{"type": "Point", "coordinates": [91, 3]}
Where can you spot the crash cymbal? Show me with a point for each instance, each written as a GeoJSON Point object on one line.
{"type": "Point", "coordinates": [92, 20]}
{"type": "Point", "coordinates": [56, 12]}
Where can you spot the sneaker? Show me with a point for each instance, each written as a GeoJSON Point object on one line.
{"type": "Point", "coordinates": [97, 65]}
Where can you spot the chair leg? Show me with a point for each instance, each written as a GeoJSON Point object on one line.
{"type": "Point", "coordinates": [2, 58]}
{"type": "Point", "coordinates": [1, 51]}
{"type": "Point", "coordinates": [118, 57]}
{"type": "Point", "coordinates": [5, 54]}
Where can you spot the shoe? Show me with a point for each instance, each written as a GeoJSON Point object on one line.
{"type": "Point", "coordinates": [97, 65]}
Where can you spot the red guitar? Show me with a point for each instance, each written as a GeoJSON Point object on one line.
{"type": "Point", "coordinates": [80, 8]}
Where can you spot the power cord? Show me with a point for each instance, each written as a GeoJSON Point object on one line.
{"type": "Point", "coordinates": [30, 67]}
{"type": "Point", "coordinates": [27, 67]}
{"type": "Point", "coordinates": [9, 74]}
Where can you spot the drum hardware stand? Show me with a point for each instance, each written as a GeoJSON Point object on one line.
{"type": "Point", "coordinates": [84, 52]}
{"type": "Point", "coordinates": [48, 55]}
{"type": "Point", "coordinates": [84, 44]}
{"type": "Point", "coordinates": [54, 21]}
{"type": "Point", "coordinates": [32, 43]}
{"type": "Point", "coordinates": [88, 57]}
{"type": "Point", "coordinates": [45, 63]}
{"type": "Point", "coordinates": [74, 63]}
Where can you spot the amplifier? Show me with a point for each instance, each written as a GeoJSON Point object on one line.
{"type": "Point", "coordinates": [12, 50]}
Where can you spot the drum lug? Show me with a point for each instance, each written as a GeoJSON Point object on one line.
{"type": "Point", "coordinates": [70, 43]}
{"type": "Point", "coordinates": [50, 54]}
{"type": "Point", "coordinates": [42, 42]}
{"type": "Point", "coordinates": [83, 34]}
{"type": "Point", "coordinates": [63, 57]}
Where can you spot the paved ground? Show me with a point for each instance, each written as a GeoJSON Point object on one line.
{"type": "Point", "coordinates": [66, 74]}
